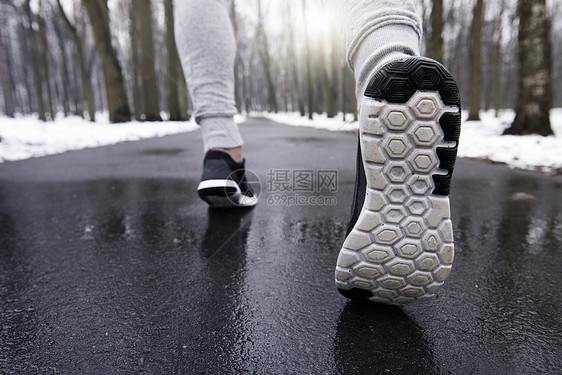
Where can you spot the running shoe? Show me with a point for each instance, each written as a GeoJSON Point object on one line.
{"type": "Point", "coordinates": [224, 183]}
{"type": "Point", "coordinates": [399, 244]}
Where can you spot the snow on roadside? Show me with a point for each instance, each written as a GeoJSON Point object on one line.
{"type": "Point", "coordinates": [479, 139]}
{"type": "Point", "coordinates": [26, 137]}
{"type": "Point", "coordinates": [484, 140]}
{"type": "Point", "coordinates": [319, 121]}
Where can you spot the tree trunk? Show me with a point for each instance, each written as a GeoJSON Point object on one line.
{"type": "Point", "coordinates": [8, 88]}
{"type": "Point", "coordinates": [182, 95]}
{"type": "Point", "coordinates": [100, 88]}
{"type": "Point", "coordinates": [309, 89]}
{"type": "Point", "coordinates": [263, 50]}
{"type": "Point", "coordinates": [45, 64]}
{"type": "Point", "coordinates": [535, 84]}
{"type": "Point", "coordinates": [117, 102]}
{"type": "Point", "coordinates": [137, 99]}
{"type": "Point", "coordinates": [271, 97]}
{"type": "Point", "coordinates": [297, 85]}
{"type": "Point", "coordinates": [332, 94]}
{"type": "Point", "coordinates": [64, 79]}
{"type": "Point", "coordinates": [476, 62]}
{"type": "Point", "coordinates": [148, 72]}
{"type": "Point", "coordinates": [319, 77]}
{"type": "Point", "coordinates": [497, 88]}
{"type": "Point", "coordinates": [11, 73]}
{"type": "Point", "coordinates": [77, 94]}
{"type": "Point", "coordinates": [511, 67]}
{"type": "Point", "coordinates": [498, 62]}
{"type": "Point", "coordinates": [435, 45]}
{"type": "Point", "coordinates": [323, 81]}
{"type": "Point", "coordinates": [87, 91]}
{"type": "Point", "coordinates": [27, 54]}
{"type": "Point", "coordinates": [246, 90]}
{"type": "Point", "coordinates": [37, 79]}
{"type": "Point", "coordinates": [171, 63]}
{"type": "Point", "coordinates": [292, 60]}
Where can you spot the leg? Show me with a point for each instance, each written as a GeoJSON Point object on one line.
{"type": "Point", "coordinates": [207, 50]}
{"type": "Point", "coordinates": [399, 246]}
{"type": "Point", "coordinates": [377, 32]}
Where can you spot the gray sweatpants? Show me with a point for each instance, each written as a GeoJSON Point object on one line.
{"type": "Point", "coordinates": [376, 32]}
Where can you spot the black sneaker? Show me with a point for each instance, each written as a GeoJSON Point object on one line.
{"type": "Point", "coordinates": [399, 245]}
{"type": "Point", "coordinates": [224, 183]}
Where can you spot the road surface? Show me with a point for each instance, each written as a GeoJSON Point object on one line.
{"type": "Point", "coordinates": [110, 264]}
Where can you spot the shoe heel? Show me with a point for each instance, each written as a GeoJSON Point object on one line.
{"type": "Point", "coordinates": [401, 247]}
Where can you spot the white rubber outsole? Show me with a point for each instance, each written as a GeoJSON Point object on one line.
{"type": "Point", "coordinates": [208, 191]}
{"type": "Point", "coordinates": [401, 247]}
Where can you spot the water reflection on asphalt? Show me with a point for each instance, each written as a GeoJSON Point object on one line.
{"type": "Point", "coordinates": [136, 275]}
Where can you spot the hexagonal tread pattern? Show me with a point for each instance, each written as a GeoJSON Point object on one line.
{"type": "Point", "coordinates": [409, 127]}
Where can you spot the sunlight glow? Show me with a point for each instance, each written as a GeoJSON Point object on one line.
{"type": "Point", "coordinates": [318, 21]}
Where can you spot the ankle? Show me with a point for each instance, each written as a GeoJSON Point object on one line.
{"type": "Point", "coordinates": [234, 152]}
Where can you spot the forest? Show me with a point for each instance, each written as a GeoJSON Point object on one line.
{"type": "Point", "coordinates": [92, 58]}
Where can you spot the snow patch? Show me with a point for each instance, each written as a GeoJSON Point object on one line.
{"type": "Point", "coordinates": [319, 121]}
{"type": "Point", "coordinates": [479, 139]}
{"type": "Point", "coordinates": [484, 140]}
{"type": "Point", "coordinates": [26, 137]}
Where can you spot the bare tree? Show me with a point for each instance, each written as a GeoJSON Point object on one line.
{"type": "Point", "coordinates": [475, 96]}
{"type": "Point", "coordinates": [26, 53]}
{"type": "Point", "coordinates": [117, 102]}
{"type": "Point", "coordinates": [87, 92]}
{"type": "Point", "coordinates": [435, 46]}
{"type": "Point", "coordinates": [332, 84]}
{"type": "Point", "coordinates": [173, 71]}
{"type": "Point", "coordinates": [309, 86]}
{"type": "Point", "coordinates": [535, 84]}
{"type": "Point", "coordinates": [64, 82]}
{"type": "Point", "coordinates": [8, 86]}
{"type": "Point", "coordinates": [133, 31]}
{"type": "Point", "coordinates": [148, 72]}
{"type": "Point", "coordinates": [293, 61]}
{"type": "Point", "coordinates": [294, 68]}
{"type": "Point", "coordinates": [242, 62]}
{"type": "Point", "coordinates": [498, 60]}
{"type": "Point", "coordinates": [182, 91]}
{"type": "Point", "coordinates": [264, 53]}
{"type": "Point", "coordinates": [44, 60]}
{"type": "Point", "coordinates": [36, 57]}
{"type": "Point", "coordinates": [556, 36]}
{"type": "Point", "coordinates": [322, 81]}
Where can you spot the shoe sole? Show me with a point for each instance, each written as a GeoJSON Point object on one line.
{"type": "Point", "coordinates": [401, 248]}
{"type": "Point", "coordinates": [224, 194]}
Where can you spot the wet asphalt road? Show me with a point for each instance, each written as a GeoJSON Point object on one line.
{"type": "Point", "coordinates": [109, 263]}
